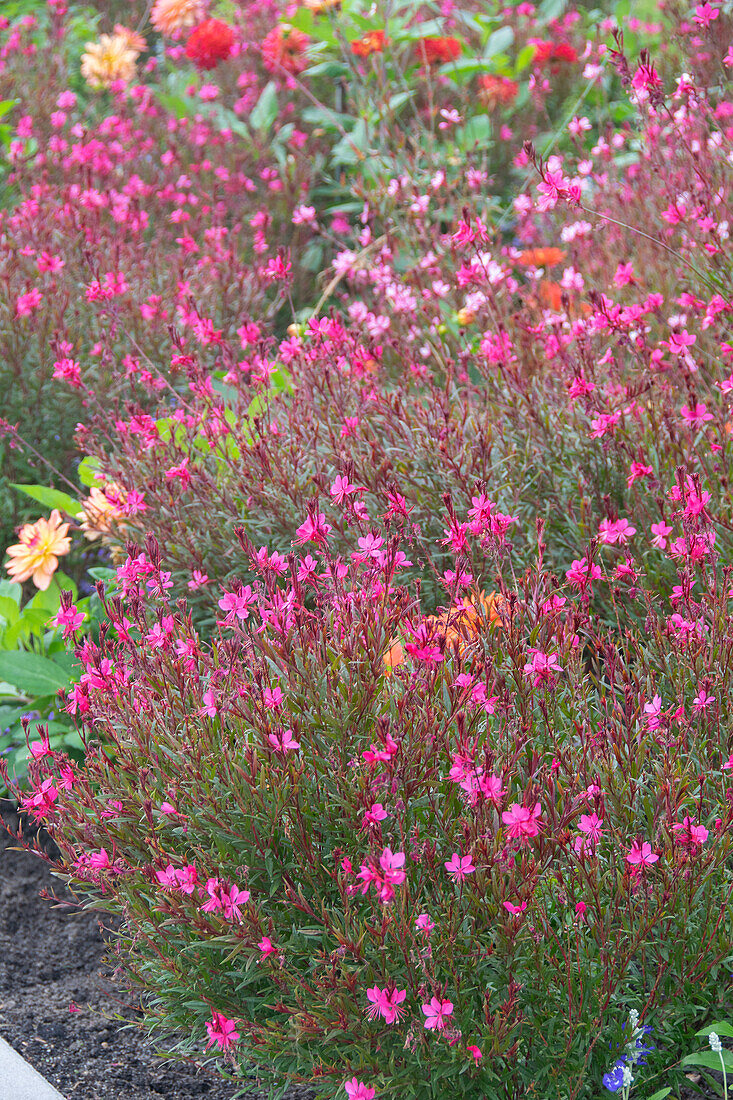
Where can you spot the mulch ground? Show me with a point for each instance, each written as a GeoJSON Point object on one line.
{"type": "Point", "coordinates": [51, 958]}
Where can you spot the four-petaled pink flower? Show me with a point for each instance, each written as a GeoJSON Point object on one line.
{"type": "Point", "coordinates": [694, 834]}
{"type": "Point", "coordinates": [522, 823]}
{"type": "Point", "coordinates": [357, 1090]}
{"type": "Point", "coordinates": [641, 855]}
{"type": "Point", "coordinates": [515, 910]}
{"type": "Point", "coordinates": [542, 667]}
{"type": "Point", "coordinates": [459, 866]}
{"type": "Point", "coordinates": [385, 1003]}
{"type": "Point", "coordinates": [437, 1013]}
{"type": "Point", "coordinates": [283, 742]}
{"type": "Point", "coordinates": [222, 1031]}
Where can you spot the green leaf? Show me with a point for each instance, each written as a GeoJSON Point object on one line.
{"type": "Point", "coordinates": [351, 149]}
{"type": "Point", "coordinates": [89, 468]}
{"type": "Point", "coordinates": [720, 1028]}
{"type": "Point", "coordinates": [551, 9]}
{"type": "Point", "coordinates": [8, 610]}
{"type": "Point", "coordinates": [176, 105]}
{"type": "Point", "coordinates": [334, 70]}
{"type": "Point", "coordinates": [499, 41]}
{"type": "Point", "coordinates": [6, 105]}
{"type": "Point", "coordinates": [475, 134]}
{"type": "Point", "coordinates": [12, 590]}
{"type": "Point", "coordinates": [660, 1095]}
{"type": "Point", "coordinates": [709, 1059]}
{"type": "Point", "coordinates": [50, 498]}
{"type": "Point", "coordinates": [265, 109]}
{"type": "Point", "coordinates": [32, 674]}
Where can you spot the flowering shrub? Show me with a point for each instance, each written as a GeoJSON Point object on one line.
{"type": "Point", "coordinates": [406, 730]}
{"type": "Point", "coordinates": [466, 865]}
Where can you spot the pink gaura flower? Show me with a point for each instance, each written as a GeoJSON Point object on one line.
{"type": "Point", "coordinates": [385, 1003]}
{"type": "Point", "coordinates": [314, 529]}
{"type": "Point", "coordinates": [641, 855]}
{"type": "Point", "coordinates": [222, 1031]}
{"type": "Point", "coordinates": [694, 834]}
{"type": "Point", "coordinates": [522, 823]}
{"type": "Point", "coordinates": [357, 1090]}
{"type": "Point", "coordinates": [437, 1013]}
{"type": "Point", "coordinates": [542, 667]}
{"type": "Point", "coordinates": [515, 910]}
{"type": "Point", "coordinates": [702, 700]}
{"type": "Point", "coordinates": [284, 741]}
{"type": "Point", "coordinates": [267, 947]}
{"type": "Point", "coordinates": [696, 415]}
{"type": "Point", "coordinates": [459, 866]}
{"type": "Point", "coordinates": [660, 531]}
{"type": "Point", "coordinates": [475, 1054]}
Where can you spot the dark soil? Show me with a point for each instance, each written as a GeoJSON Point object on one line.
{"type": "Point", "coordinates": [50, 959]}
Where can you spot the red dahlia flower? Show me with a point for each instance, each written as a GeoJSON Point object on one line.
{"type": "Point", "coordinates": [434, 51]}
{"type": "Point", "coordinates": [210, 43]}
{"type": "Point", "coordinates": [284, 48]}
{"type": "Point", "coordinates": [553, 52]}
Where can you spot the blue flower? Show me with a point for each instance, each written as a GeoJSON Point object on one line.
{"type": "Point", "coordinates": [614, 1080]}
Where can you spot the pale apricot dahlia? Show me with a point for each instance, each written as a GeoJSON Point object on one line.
{"type": "Point", "coordinates": [37, 553]}
{"type": "Point", "coordinates": [169, 16]}
{"type": "Point", "coordinates": [109, 60]}
{"type": "Point", "coordinates": [101, 511]}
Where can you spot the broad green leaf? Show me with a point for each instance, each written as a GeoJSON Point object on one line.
{"type": "Point", "coordinates": [51, 498]}
{"type": "Point", "coordinates": [551, 9]}
{"type": "Point", "coordinates": [89, 468]}
{"type": "Point", "coordinates": [719, 1028]}
{"type": "Point", "coordinates": [334, 70]}
{"type": "Point", "coordinates": [8, 610]}
{"type": "Point", "coordinates": [351, 149]}
{"type": "Point", "coordinates": [12, 590]}
{"type": "Point", "coordinates": [475, 134]}
{"type": "Point", "coordinates": [32, 674]}
{"type": "Point", "coordinates": [709, 1059]}
{"type": "Point", "coordinates": [499, 41]}
{"type": "Point", "coordinates": [661, 1094]}
{"type": "Point", "coordinates": [265, 109]}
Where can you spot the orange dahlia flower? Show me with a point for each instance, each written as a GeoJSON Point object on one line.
{"type": "Point", "coordinates": [37, 553]}
{"type": "Point", "coordinates": [459, 625]}
{"type": "Point", "coordinates": [372, 42]}
{"type": "Point", "coordinates": [541, 257]}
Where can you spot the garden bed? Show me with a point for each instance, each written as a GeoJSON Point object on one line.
{"type": "Point", "coordinates": [58, 1009]}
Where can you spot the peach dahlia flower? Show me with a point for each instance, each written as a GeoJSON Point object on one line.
{"type": "Point", "coordinates": [169, 16]}
{"type": "Point", "coordinates": [37, 554]}
{"type": "Point", "coordinates": [109, 60]}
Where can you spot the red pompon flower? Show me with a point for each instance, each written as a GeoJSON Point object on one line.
{"type": "Point", "coordinates": [284, 47]}
{"type": "Point", "coordinates": [210, 43]}
{"type": "Point", "coordinates": [552, 53]}
{"type": "Point", "coordinates": [436, 51]}
{"type": "Point", "coordinates": [372, 42]}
